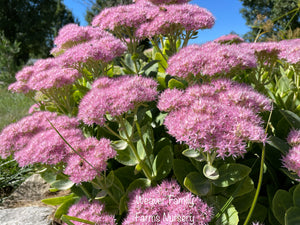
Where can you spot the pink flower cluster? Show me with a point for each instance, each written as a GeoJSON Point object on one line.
{"type": "Point", "coordinates": [72, 34]}
{"type": "Point", "coordinates": [44, 74]}
{"type": "Point", "coordinates": [33, 140]}
{"type": "Point", "coordinates": [149, 20]}
{"type": "Point", "coordinates": [132, 16]}
{"type": "Point", "coordinates": [96, 152]}
{"type": "Point", "coordinates": [177, 17]}
{"type": "Point", "coordinates": [92, 211]}
{"type": "Point", "coordinates": [229, 39]}
{"type": "Point", "coordinates": [161, 2]}
{"type": "Point", "coordinates": [290, 51]}
{"type": "Point", "coordinates": [217, 117]}
{"type": "Point", "coordinates": [103, 50]}
{"type": "Point", "coordinates": [292, 159]}
{"type": "Point", "coordinates": [210, 59]}
{"type": "Point", "coordinates": [165, 204]}
{"type": "Point", "coordinates": [215, 58]}
{"type": "Point", "coordinates": [115, 96]}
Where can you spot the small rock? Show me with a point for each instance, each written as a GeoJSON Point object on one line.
{"type": "Point", "coordinates": [30, 192]}
{"type": "Point", "coordinates": [26, 216]}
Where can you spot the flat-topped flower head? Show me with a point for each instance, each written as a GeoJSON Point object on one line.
{"type": "Point", "coordinates": [18, 136]}
{"type": "Point", "coordinates": [72, 34]}
{"type": "Point", "coordinates": [229, 39]}
{"type": "Point", "coordinates": [165, 204]}
{"type": "Point", "coordinates": [115, 96]}
{"type": "Point", "coordinates": [210, 59]}
{"type": "Point", "coordinates": [294, 137]}
{"type": "Point", "coordinates": [96, 152]}
{"type": "Point", "coordinates": [92, 211]}
{"type": "Point", "coordinates": [290, 51]}
{"type": "Point", "coordinates": [175, 18]}
{"type": "Point", "coordinates": [220, 116]}
{"type": "Point", "coordinates": [47, 147]}
{"type": "Point", "coordinates": [291, 160]}
{"type": "Point", "coordinates": [161, 2]}
{"type": "Point", "coordinates": [125, 16]}
{"type": "Point", "coordinates": [103, 50]}
{"type": "Point", "coordinates": [44, 74]}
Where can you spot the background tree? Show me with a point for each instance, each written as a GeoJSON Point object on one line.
{"type": "Point", "coordinates": [271, 19]}
{"type": "Point", "coordinates": [33, 24]}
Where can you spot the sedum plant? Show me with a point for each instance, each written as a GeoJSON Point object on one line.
{"type": "Point", "coordinates": [176, 134]}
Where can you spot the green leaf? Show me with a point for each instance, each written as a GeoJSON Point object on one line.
{"type": "Point", "coordinates": [62, 184]}
{"type": "Point", "coordinates": [126, 175]}
{"type": "Point", "coordinates": [279, 144]}
{"type": "Point", "coordinates": [292, 175]}
{"type": "Point", "coordinates": [163, 162]}
{"type": "Point", "coordinates": [116, 188]}
{"type": "Point", "coordinates": [292, 118]}
{"type": "Point", "coordinates": [282, 201]}
{"type": "Point", "coordinates": [68, 218]}
{"type": "Point", "coordinates": [57, 200]}
{"type": "Point", "coordinates": [211, 172]}
{"type": "Point", "coordinates": [191, 153]}
{"type": "Point", "coordinates": [126, 157]}
{"type": "Point", "coordinates": [63, 208]}
{"type": "Point", "coordinates": [181, 169]}
{"type": "Point", "coordinates": [240, 188]}
{"type": "Point", "coordinates": [244, 202]}
{"type": "Point", "coordinates": [230, 215]}
{"type": "Point", "coordinates": [173, 83]}
{"type": "Point", "coordinates": [119, 145]}
{"type": "Point", "coordinates": [231, 173]}
{"type": "Point", "coordinates": [49, 176]}
{"type": "Point", "coordinates": [292, 216]}
{"type": "Point", "coordinates": [150, 69]}
{"type": "Point", "coordinates": [283, 84]}
{"type": "Point", "coordinates": [296, 196]}
{"type": "Point", "coordinates": [162, 66]}
{"type": "Point", "coordinates": [197, 183]}
{"type": "Point", "coordinates": [127, 129]}
{"type": "Point", "coordinates": [141, 183]}
{"type": "Point", "coordinates": [161, 79]}
{"type": "Point", "coordinates": [260, 213]}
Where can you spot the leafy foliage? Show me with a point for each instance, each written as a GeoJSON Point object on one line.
{"type": "Point", "coordinates": [269, 18]}
{"type": "Point", "coordinates": [33, 24]}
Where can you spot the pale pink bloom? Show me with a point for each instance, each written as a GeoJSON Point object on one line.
{"type": "Point", "coordinates": [44, 74]}
{"type": "Point", "coordinates": [175, 18]}
{"type": "Point", "coordinates": [115, 96]}
{"type": "Point", "coordinates": [221, 116]}
{"type": "Point", "coordinates": [47, 147]}
{"type": "Point", "coordinates": [294, 137]}
{"type": "Point", "coordinates": [125, 16]}
{"type": "Point", "coordinates": [166, 204]}
{"type": "Point", "coordinates": [73, 34]}
{"type": "Point", "coordinates": [92, 211]}
{"type": "Point", "coordinates": [34, 108]}
{"type": "Point", "coordinates": [16, 136]}
{"type": "Point", "coordinates": [103, 51]}
{"type": "Point", "coordinates": [229, 39]}
{"type": "Point", "coordinates": [211, 59]}
{"type": "Point", "coordinates": [96, 152]}
{"type": "Point", "coordinates": [161, 2]}
{"type": "Point", "coordinates": [291, 160]}
{"type": "Point", "coordinates": [290, 50]}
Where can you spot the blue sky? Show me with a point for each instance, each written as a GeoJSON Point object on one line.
{"type": "Point", "coordinates": [226, 12]}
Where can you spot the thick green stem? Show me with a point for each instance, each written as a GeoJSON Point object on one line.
{"type": "Point", "coordinates": [258, 186]}
{"type": "Point", "coordinates": [145, 168]}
